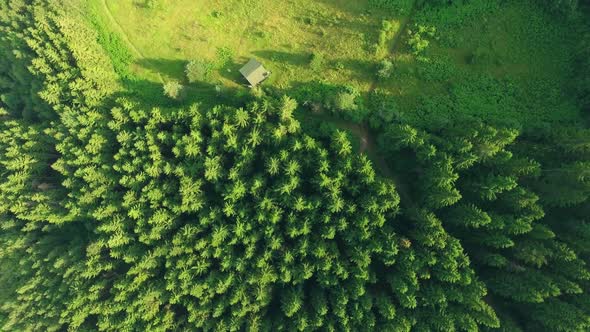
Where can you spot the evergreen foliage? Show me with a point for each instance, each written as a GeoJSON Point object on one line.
{"type": "Point", "coordinates": [507, 209]}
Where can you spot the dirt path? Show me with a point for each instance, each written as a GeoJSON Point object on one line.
{"type": "Point", "coordinates": [367, 144]}
{"type": "Point", "coordinates": [123, 34]}
{"type": "Point", "coordinates": [365, 134]}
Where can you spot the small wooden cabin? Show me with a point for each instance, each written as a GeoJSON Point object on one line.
{"type": "Point", "coordinates": [254, 72]}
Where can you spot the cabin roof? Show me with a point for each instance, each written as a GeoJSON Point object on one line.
{"type": "Point", "coordinates": [254, 72]}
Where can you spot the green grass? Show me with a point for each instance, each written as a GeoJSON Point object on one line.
{"type": "Point", "coordinates": [503, 62]}
{"type": "Point", "coordinates": [282, 34]}
{"type": "Point", "coordinates": [506, 63]}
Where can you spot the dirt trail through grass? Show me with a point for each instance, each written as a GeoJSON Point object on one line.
{"type": "Point", "coordinates": [123, 34]}
{"type": "Point", "coordinates": [367, 142]}
{"type": "Point", "coordinates": [393, 48]}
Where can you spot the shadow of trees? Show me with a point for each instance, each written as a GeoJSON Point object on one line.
{"type": "Point", "coordinates": [212, 92]}
{"type": "Point", "coordinates": [208, 94]}
{"type": "Point", "coordinates": [294, 59]}
{"type": "Point", "coordinates": [230, 70]}
{"type": "Point", "coordinates": [151, 94]}
{"type": "Point", "coordinates": [175, 69]}
{"type": "Point", "coordinates": [167, 67]}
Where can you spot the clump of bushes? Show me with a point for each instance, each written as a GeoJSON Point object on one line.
{"type": "Point", "coordinates": [339, 66]}
{"type": "Point", "coordinates": [385, 69]}
{"type": "Point", "coordinates": [419, 38]}
{"type": "Point", "coordinates": [310, 20]}
{"type": "Point", "coordinates": [174, 90]}
{"type": "Point", "coordinates": [384, 109]}
{"type": "Point", "coordinates": [345, 100]}
{"type": "Point", "coordinates": [152, 4]}
{"type": "Point", "coordinates": [224, 56]}
{"type": "Point", "coordinates": [399, 7]}
{"type": "Point", "coordinates": [199, 70]}
{"type": "Point", "coordinates": [387, 32]}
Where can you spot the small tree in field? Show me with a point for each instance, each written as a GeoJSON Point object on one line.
{"type": "Point", "coordinates": [385, 69]}
{"type": "Point", "coordinates": [174, 90]}
{"type": "Point", "coordinates": [151, 4]}
{"type": "Point", "coordinates": [345, 100]}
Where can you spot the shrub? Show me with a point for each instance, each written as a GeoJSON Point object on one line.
{"type": "Point", "coordinates": [199, 71]}
{"type": "Point", "coordinates": [383, 109]}
{"type": "Point", "coordinates": [257, 92]}
{"type": "Point", "coordinates": [346, 99]}
{"type": "Point", "coordinates": [339, 66]}
{"type": "Point", "coordinates": [152, 4]}
{"type": "Point", "coordinates": [385, 69]}
{"type": "Point", "coordinates": [310, 20]}
{"type": "Point", "coordinates": [174, 90]}
{"type": "Point", "coordinates": [392, 6]}
{"type": "Point", "coordinates": [387, 32]}
{"type": "Point", "coordinates": [386, 27]}
{"type": "Point", "coordinates": [418, 40]}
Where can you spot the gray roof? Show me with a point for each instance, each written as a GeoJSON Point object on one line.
{"type": "Point", "coordinates": [254, 72]}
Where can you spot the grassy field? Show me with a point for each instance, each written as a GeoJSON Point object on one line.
{"type": "Point", "coordinates": [282, 34]}
{"type": "Point", "coordinates": [506, 63]}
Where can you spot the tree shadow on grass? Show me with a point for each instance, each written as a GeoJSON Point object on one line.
{"type": "Point", "coordinates": [294, 59]}
{"type": "Point", "coordinates": [151, 94]}
{"type": "Point", "coordinates": [212, 93]}
{"type": "Point", "coordinates": [231, 70]}
{"type": "Point", "coordinates": [363, 69]}
{"type": "Point", "coordinates": [365, 8]}
{"type": "Point", "coordinates": [171, 69]}
{"type": "Point", "coordinates": [175, 70]}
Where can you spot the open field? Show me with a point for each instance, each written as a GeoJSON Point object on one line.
{"type": "Point", "coordinates": [282, 34]}
{"type": "Point", "coordinates": [507, 64]}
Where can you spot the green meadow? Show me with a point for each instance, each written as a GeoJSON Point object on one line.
{"type": "Point", "coordinates": [284, 35]}
{"type": "Point", "coordinates": [505, 63]}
